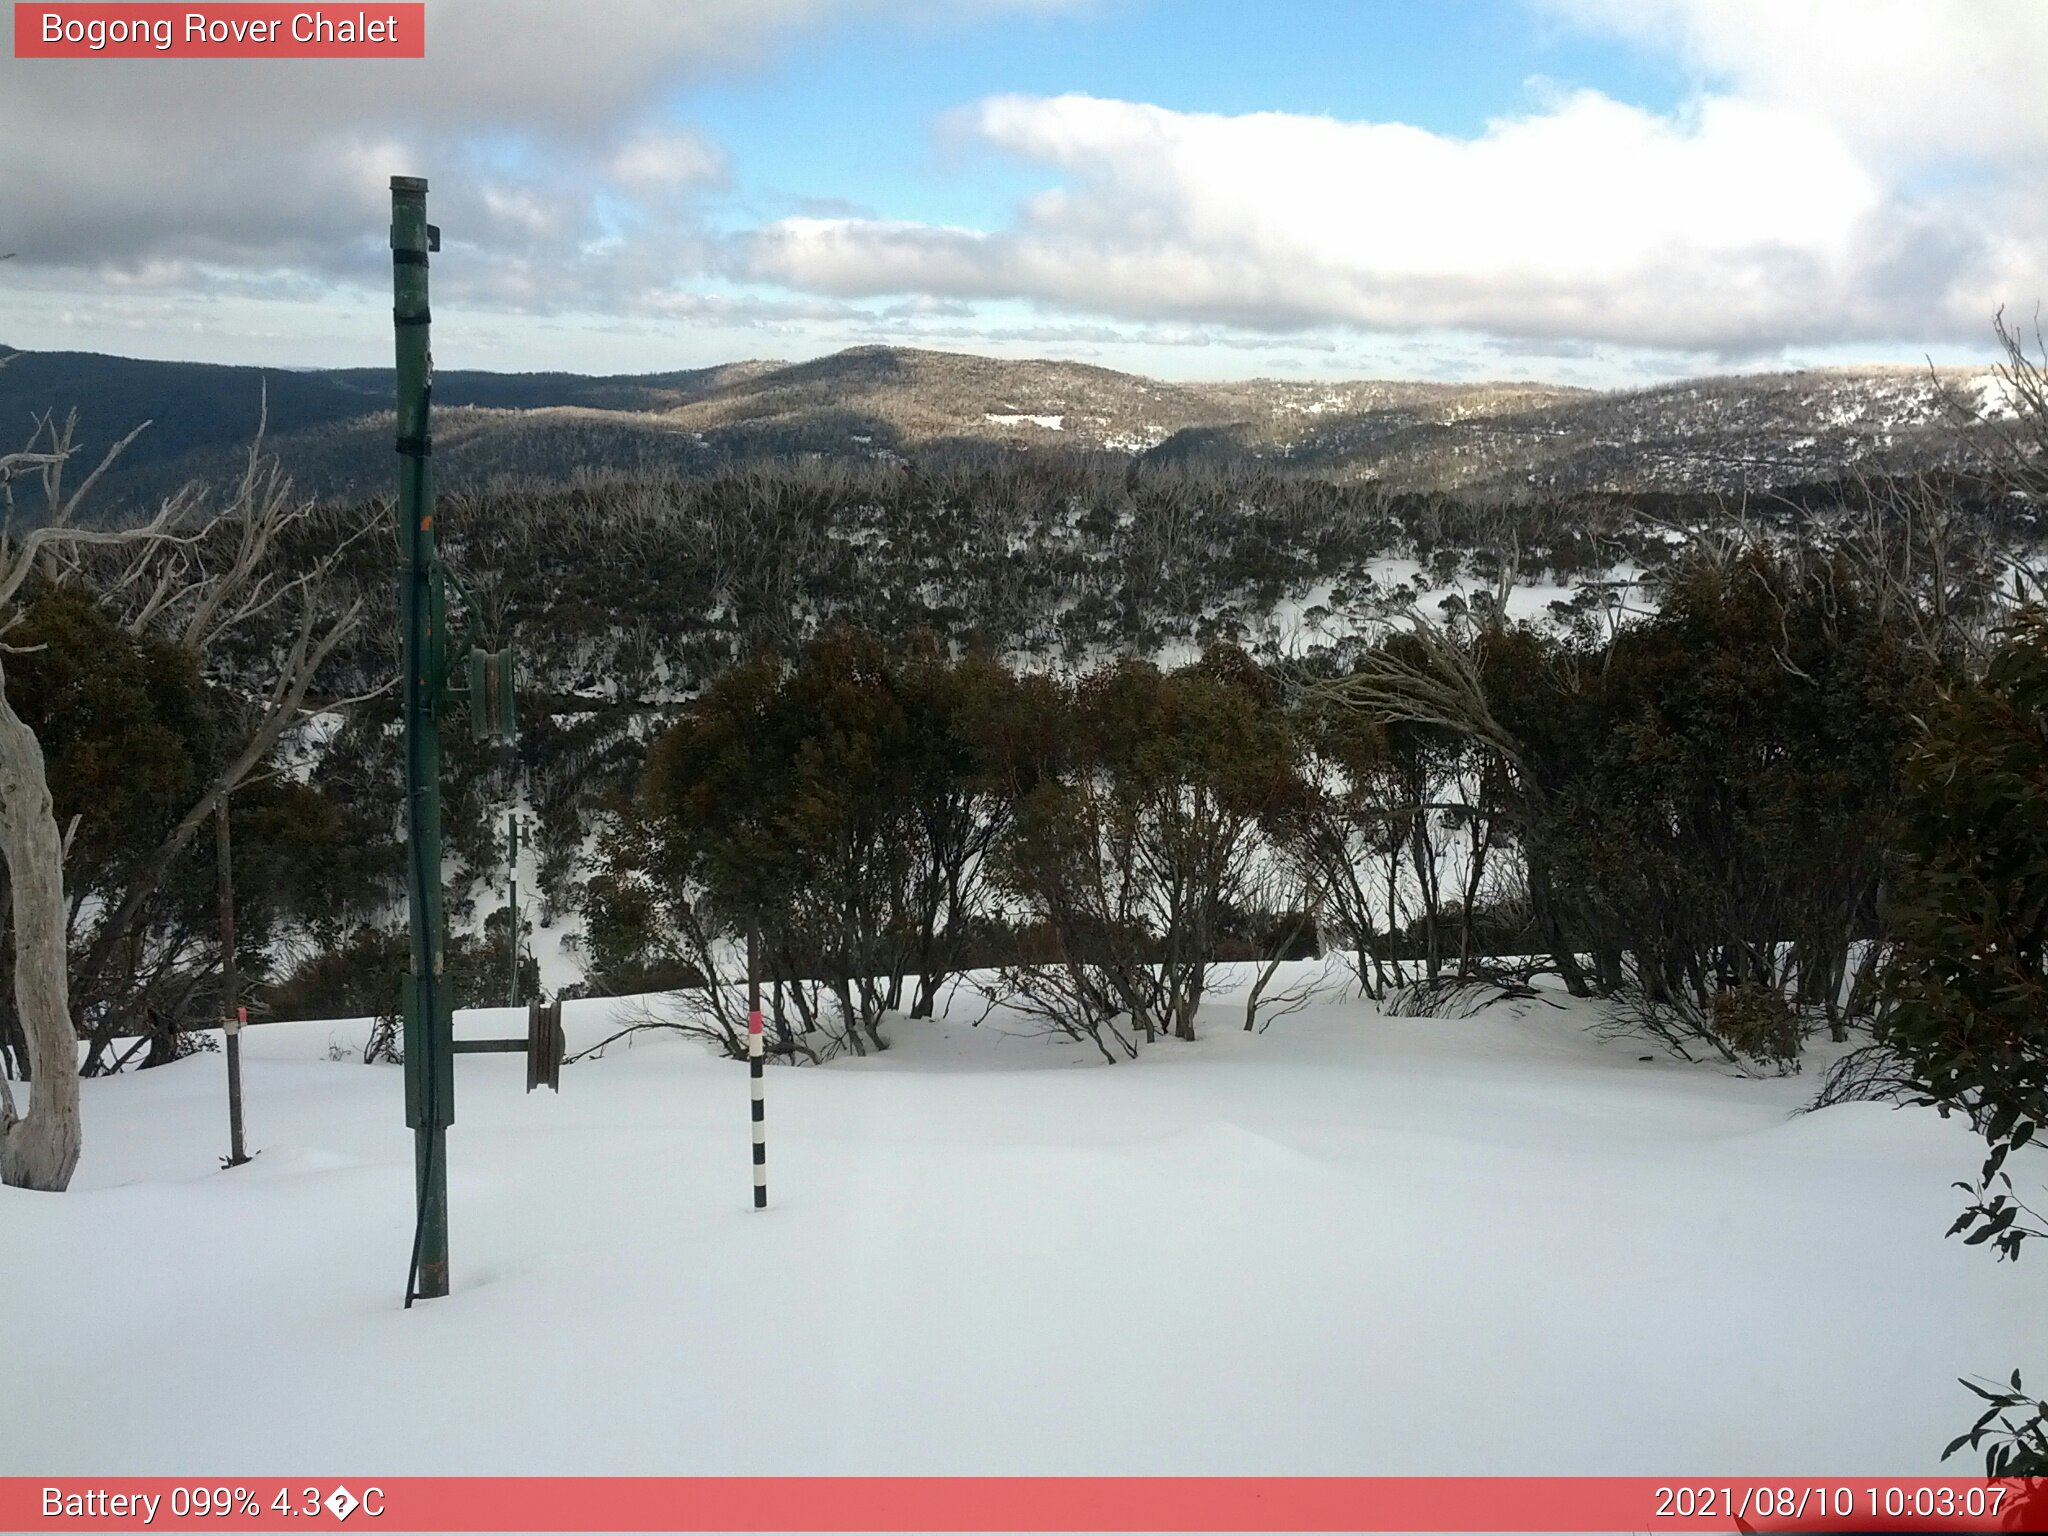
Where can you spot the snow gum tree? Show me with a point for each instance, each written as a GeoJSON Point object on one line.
{"type": "Point", "coordinates": [1342, 834]}
{"type": "Point", "coordinates": [1968, 978]}
{"type": "Point", "coordinates": [1143, 828]}
{"type": "Point", "coordinates": [191, 580]}
{"type": "Point", "coordinates": [1728, 818]}
{"type": "Point", "coordinates": [39, 1148]}
{"type": "Point", "coordinates": [1967, 981]}
{"type": "Point", "coordinates": [841, 807]}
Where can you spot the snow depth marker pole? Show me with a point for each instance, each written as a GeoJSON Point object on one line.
{"type": "Point", "coordinates": [755, 1082]}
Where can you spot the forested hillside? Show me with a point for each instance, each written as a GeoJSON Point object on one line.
{"type": "Point", "coordinates": [1146, 617]}
{"type": "Point", "coordinates": [331, 429]}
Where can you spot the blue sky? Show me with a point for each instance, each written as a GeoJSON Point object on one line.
{"type": "Point", "coordinates": [1591, 191]}
{"type": "Point", "coordinates": [858, 106]}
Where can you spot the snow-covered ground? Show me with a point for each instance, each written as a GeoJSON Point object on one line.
{"type": "Point", "coordinates": [1352, 1244]}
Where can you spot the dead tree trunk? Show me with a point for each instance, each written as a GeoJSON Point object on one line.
{"type": "Point", "coordinates": [38, 1150]}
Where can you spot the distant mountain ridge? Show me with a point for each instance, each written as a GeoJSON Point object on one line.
{"type": "Point", "coordinates": [331, 427]}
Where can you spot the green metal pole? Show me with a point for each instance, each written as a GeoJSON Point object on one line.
{"type": "Point", "coordinates": [429, 1046]}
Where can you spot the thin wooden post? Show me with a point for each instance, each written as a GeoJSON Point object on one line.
{"type": "Point", "coordinates": [233, 1015]}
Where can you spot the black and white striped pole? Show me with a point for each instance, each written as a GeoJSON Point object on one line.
{"type": "Point", "coordinates": [754, 1071]}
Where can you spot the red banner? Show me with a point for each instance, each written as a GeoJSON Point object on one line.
{"type": "Point", "coordinates": [216, 31]}
{"type": "Point", "coordinates": [1023, 1504]}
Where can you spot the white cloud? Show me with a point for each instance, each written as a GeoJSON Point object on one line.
{"type": "Point", "coordinates": [1847, 171]}
{"type": "Point", "coordinates": [525, 114]}
{"type": "Point", "coordinates": [1910, 80]}
{"type": "Point", "coordinates": [1736, 225]}
{"type": "Point", "coordinates": [663, 161]}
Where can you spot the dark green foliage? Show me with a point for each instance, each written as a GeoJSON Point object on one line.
{"type": "Point", "coordinates": [1700, 803]}
{"type": "Point", "coordinates": [128, 731]}
{"type": "Point", "coordinates": [1139, 836]}
{"type": "Point", "coordinates": [627, 596]}
{"type": "Point", "coordinates": [839, 808]}
{"type": "Point", "coordinates": [1720, 783]}
{"type": "Point", "coordinates": [1755, 1022]}
{"type": "Point", "coordinates": [2018, 1446]}
{"type": "Point", "coordinates": [876, 816]}
{"type": "Point", "coordinates": [360, 975]}
{"type": "Point", "coordinates": [302, 861]}
{"type": "Point", "coordinates": [132, 733]}
{"type": "Point", "coordinates": [363, 974]}
{"type": "Point", "coordinates": [1968, 979]}
{"type": "Point", "coordinates": [1703, 803]}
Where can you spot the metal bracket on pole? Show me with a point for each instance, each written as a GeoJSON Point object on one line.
{"type": "Point", "coordinates": [543, 1046]}
{"type": "Point", "coordinates": [493, 706]}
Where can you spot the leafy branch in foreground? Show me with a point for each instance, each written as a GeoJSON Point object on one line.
{"type": "Point", "coordinates": [2018, 1446]}
{"type": "Point", "coordinates": [1968, 978]}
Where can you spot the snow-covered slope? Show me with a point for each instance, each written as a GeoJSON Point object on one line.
{"type": "Point", "coordinates": [1351, 1244]}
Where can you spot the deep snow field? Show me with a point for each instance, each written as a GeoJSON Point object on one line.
{"type": "Point", "coordinates": [1349, 1245]}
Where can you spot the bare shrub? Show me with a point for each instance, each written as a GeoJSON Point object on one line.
{"type": "Point", "coordinates": [1070, 999]}
{"type": "Point", "coordinates": [1749, 1027]}
{"type": "Point", "coordinates": [1453, 997]}
{"type": "Point", "coordinates": [385, 1043]}
{"type": "Point", "coordinates": [1870, 1074]}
